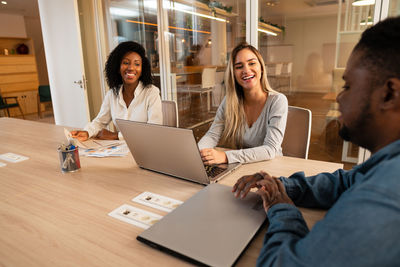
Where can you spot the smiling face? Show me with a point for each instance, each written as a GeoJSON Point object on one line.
{"type": "Point", "coordinates": [357, 103]}
{"type": "Point", "coordinates": [131, 69]}
{"type": "Point", "coordinates": [247, 70]}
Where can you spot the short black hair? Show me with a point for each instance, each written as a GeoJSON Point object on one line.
{"type": "Point", "coordinates": [112, 69]}
{"type": "Point", "coordinates": [380, 48]}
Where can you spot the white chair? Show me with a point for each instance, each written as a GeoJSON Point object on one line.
{"type": "Point", "coordinates": [296, 141]}
{"type": "Point", "coordinates": [206, 86]}
{"type": "Point", "coordinates": [170, 113]}
{"type": "Point", "coordinates": [218, 91]}
{"type": "Point", "coordinates": [285, 78]}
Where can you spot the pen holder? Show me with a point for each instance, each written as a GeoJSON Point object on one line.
{"type": "Point", "coordinates": [69, 160]}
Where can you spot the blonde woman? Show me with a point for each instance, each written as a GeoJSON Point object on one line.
{"type": "Point", "coordinates": [251, 119]}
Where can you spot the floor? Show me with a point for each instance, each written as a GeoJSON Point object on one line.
{"type": "Point", "coordinates": [325, 143]}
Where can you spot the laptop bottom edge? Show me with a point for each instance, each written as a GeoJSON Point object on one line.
{"type": "Point", "coordinates": [169, 251]}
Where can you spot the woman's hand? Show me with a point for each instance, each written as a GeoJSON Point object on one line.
{"type": "Point", "coordinates": [212, 156]}
{"type": "Point", "coordinates": [80, 135]}
{"type": "Point", "coordinates": [105, 134]}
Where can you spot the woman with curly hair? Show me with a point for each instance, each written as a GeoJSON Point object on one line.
{"type": "Point", "coordinates": [132, 96]}
{"type": "Point", "coordinates": [251, 119]}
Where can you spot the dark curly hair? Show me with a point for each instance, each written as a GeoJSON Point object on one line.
{"type": "Point", "coordinates": [112, 69]}
{"type": "Point", "coordinates": [380, 48]}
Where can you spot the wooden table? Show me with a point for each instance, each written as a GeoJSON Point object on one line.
{"type": "Point", "coordinates": [48, 218]}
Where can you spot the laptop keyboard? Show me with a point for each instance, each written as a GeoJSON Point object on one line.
{"type": "Point", "coordinates": [215, 170]}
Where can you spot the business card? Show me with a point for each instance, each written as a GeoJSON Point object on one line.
{"type": "Point", "coordinates": [135, 216]}
{"type": "Point", "coordinates": [157, 201]}
{"type": "Point", "coordinates": [12, 157]}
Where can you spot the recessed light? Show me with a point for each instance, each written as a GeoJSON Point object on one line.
{"type": "Point", "coordinates": [4, 2]}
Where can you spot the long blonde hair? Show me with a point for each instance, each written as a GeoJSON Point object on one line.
{"type": "Point", "coordinates": [235, 119]}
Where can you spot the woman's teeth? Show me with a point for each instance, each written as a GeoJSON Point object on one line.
{"type": "Point", "coordinates": [248, 77]}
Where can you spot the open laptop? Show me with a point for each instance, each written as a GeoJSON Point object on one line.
{"type": "Point", "coordinates": [171, 151]}
{"type": "Point", "coordinates": [211, 228]}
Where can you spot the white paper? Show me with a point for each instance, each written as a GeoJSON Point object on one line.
{"type": "Point", "coordinates": [91, 143]}
{"type": "Point", "coordinates": [112, 151]}
{"type": "Point", "coordinates": [135, 216]}
{"type": "Point", "coordinates": [2, 164]}
{"type": "Point", "coordinates": [157, 201]}
{"type": "Point", "coordinates": [12, 157]}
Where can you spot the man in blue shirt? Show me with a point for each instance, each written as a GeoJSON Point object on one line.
{"type": "Point", "coordinates": [362, 225]}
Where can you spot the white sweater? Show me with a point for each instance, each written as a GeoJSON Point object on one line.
{"type": "Point", "coordinates": [145, 107]}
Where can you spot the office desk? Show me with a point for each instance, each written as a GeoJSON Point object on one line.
{"type": "Point", "coordinates": [48, 218]}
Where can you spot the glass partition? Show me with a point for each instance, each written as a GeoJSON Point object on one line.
{"type": "Point", "coordinates": [305, 45]}
{"type": "Point", "coordinates": [135, 20]}
{"type": "Point", "coordinates": [201, 35]}
{"type": "Point", "coordinates": [394, 8]}
{"type": "Point", "coordinates": [199, 38]}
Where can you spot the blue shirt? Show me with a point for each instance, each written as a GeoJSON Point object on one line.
{"type": "Point", "coordinates": [361, 228]}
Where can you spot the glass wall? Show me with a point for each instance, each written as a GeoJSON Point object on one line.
{"type": "Point", "coordinates": [394, 8]}
{"type": "Point", "coordinates": [135, 20]}
{"type": "Point", "coordinates": [306, 55]}
{"type": "Point", "coordinates": [201, 35]}
{"type": "Point", "coordinates": [305, 45]}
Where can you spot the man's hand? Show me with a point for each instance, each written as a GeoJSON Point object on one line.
{"type": "Point", "coordinates": [272, 191]}
{"type": "Point", "coordinates": [105, 134]}
{"type": "Point", "coordinates": [212, 156]}
{"type": "Point", "coordinates": [245, 183]}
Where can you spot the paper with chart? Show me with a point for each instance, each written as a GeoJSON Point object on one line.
{"type": "Point", "coordinates": [98, 148]}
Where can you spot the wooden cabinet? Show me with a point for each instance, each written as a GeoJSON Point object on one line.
{"type": "Point", "coordinates": [18, 75]}
{"type": "Point", "coordinates": [27, 101]}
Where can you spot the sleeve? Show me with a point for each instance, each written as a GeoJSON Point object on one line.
{"type": "Point", "coordinates": [319, 191]}
{"type": "Point", "coordinates": [361, 229]}
{"type": "Point", "coordinates": [103, 118]}
{"type": "Point", "coordinates": [211, 138]}
{"type": "Point", "coordinates": [154, 109]}
{"type": "Point", "coordinates": [275, 131]}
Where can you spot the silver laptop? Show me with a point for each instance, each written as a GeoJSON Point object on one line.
{"type": "Point", "coordinates": [171, 151]}
{"type": "Point", "coordinates": [212, 227]}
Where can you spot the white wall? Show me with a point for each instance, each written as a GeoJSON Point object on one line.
{"type": "Point", "coordinates": [12, 26]}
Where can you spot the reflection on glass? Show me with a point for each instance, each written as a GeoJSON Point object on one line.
{"type": "Point", "coordinates": [201, 36]}
{"type": "Point", "coordinates": [394, 8]}
{"type": "Point", "coordinates": [306, 63]}
{"type": "Point", "coordinates": [136, 20]}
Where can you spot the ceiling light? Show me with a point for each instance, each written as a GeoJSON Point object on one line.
{"type": "Point", "coordinates": [363, 2]}
{"type": "Point", "coordinates": [272, 2]}
{"type": "Point", "coordinates": [196, 14]}
{"type": "Point", "coordinates": [4, 2]}
{"type": "Point", "coordinates": [123, 12]}
{"type": "Point", "coordinates": [267, 32]}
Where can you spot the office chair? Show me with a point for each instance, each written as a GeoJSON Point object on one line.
{"type": "Point", "coordinates": [170, 114]}
{"type": "Point", "coordinates": [298, 132]}
{"type": "Point", "coordinates": [4, 105]}
{"type": "Point", "coordinates": [44, 96]}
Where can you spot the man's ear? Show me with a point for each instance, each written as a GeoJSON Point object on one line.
{"type": "Point", "coordinates": [391, 94]}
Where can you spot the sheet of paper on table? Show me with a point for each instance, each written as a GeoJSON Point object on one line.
{"type": "Point", "coordinates": [99, 148]}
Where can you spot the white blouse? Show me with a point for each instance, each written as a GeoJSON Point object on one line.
{"type": "Point", "coordinates": [145, 107]}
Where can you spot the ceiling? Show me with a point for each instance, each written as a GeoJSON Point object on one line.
{"type": "Point", "coordinates": [28, 8]}
{"type": "Point", "coordinates": [298, 8]}
{"type": "Point", "coordinates": [287, 8]}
